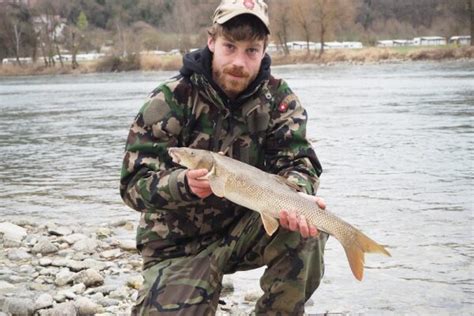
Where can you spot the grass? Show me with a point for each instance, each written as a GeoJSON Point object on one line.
{"type": "Point", "coordinates": [174, 62]}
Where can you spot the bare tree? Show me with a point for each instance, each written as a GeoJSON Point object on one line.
{"type": "Point", "coordinates": [328, 14]}
{"type": "Point", "coordinates": [302, 14]}
{"type": "Point", "coordinates": [280, 25]}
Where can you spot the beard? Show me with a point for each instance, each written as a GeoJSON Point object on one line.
{"type": "Point", "coordinates": [232, 86]}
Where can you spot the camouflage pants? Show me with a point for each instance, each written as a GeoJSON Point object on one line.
{"type": "Point", "coordinates": [191, 285]}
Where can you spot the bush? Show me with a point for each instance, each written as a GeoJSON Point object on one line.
{"type": "Point", "coordinates": [116, 64]}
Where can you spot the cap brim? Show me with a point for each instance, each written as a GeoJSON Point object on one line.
{"type": "Point", "coordinates": [235, 13]}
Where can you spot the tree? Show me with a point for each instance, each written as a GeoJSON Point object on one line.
{"type": "Point", "coordinates": [280, 24]}
{"type": "Point", "coordinates": [302, 16]}
{"type": "Point", "coordinates": [15, 31]}
{"type": "Point", "coordinates": [330, 14]}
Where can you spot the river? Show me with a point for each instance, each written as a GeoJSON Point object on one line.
{"type": "Point", "coordinates": [395, 141]}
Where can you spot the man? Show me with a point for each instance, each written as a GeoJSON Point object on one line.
{"type": "Point", "coordinates": [224, 99]}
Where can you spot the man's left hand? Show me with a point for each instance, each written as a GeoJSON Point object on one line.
{"type": "Point", "coordinates": [290, 220]}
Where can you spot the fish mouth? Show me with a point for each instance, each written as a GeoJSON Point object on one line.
{"type": "Point", "coordinates": [174, 156]}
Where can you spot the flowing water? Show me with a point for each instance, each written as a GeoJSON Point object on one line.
{"type": "Point", "coordinates": [395, 142]}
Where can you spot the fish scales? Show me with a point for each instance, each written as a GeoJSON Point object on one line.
{"type": "Point", "coordinates": [268, 194]}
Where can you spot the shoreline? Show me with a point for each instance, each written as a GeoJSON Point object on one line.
{"type": "Point", "coordinates": [55, 269]}
{"type": "Point", "coordinates": [173, 63]}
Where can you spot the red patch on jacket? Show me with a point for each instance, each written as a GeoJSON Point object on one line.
{"type": "Point", "coordinates": [283, 107]}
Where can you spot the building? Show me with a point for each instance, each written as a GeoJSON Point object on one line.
{"type": "Point", "coordinates": [429, 41]}
{"type": "Point", "coordinates": [460, 40]}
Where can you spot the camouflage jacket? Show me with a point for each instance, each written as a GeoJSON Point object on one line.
{"type": "Point", "coordinates": [264, 127]}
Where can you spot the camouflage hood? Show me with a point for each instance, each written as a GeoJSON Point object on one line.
{"type": "Point", "coordinates": [199, 63]}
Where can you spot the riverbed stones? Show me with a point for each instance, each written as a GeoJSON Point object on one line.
{"type": "Point", "coordinates": [94, 271]}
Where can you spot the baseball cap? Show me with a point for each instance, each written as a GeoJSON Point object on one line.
{"type": "Point", "coordinates": [229, 9]}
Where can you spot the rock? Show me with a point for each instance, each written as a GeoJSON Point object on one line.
{"type": "Point", "coordinates": [103, 232]}
{"type": "Point", "coordinates": [18, 254]}
{"type": "Point", "coordinates": [128, 245]}
{"type": "Point", "coordinates": [85, 306]}
{"type": "Point", "coordinates": [12, 232]}
{"type": "Point", "coordinates": [45, 300]}
{"type": "Point", "coordinates": [59, 231]}
{"type": "Point", "coordinates": [64, 277]}
{"type": "Point", "coordinates": [73, 238]}
{"type": "Point", "coordinates": [44, 262]}
{"type": "Point", "coordinates": [105, 289]}
{"type": "Point", "coordinates": [109, 254]}
{"type": "Point", "coordinates": [120, 293]}
{"type": "Point", "coordinates": [135, 282]}
{"type": "Point", "coordinates": [18, 306]}
{"type": "Point", "coordinates": [63, 309]}
{"type": "Point", "coordinates": [44, 247]}
{"type": "Point", "coordinates": [87, 245]}
{"type": "Point", "coordinates": [106, 302]}
{"type": "Point", "coordinates": [38, 287]}
{"type": "Point", "coordinates": [89, 277]}
{"type": "Point", "coordinates": [96, 265]}
{"type": "Point", "coordinates": [6, 287]}
{"type": "Point", "coordinates": [79, 288]}
{"type": "Point", "coordinates": [62, 295]}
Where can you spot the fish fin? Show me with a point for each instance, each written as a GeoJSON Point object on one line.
{"type": "Point", "coordinates": [269, 223]}
{"type": "Point", "coordinates": [355, 252]}
{"type": "Point", "coordinates": [290, 184]}
{"type": "Point", "coordinates": [217, 186]}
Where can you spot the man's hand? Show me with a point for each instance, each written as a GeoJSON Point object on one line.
{"type": "Point", "coordinates": [200, 187]}
{"type": "Point", "coordinates": [293, 222]}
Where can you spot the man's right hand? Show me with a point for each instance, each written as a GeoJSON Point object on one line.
{"type": "Point", "coordinates": [199, 187]}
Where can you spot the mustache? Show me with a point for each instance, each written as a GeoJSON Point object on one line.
{"type": "Point", "coordinates": [236, 71]}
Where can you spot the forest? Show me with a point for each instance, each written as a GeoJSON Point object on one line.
{"type": "Point", "coordinates": [122, 27]}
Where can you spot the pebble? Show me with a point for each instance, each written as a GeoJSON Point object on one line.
{"type": "Point", "coordinates": [53, 270]}
{"type": "Point", "coordinates": [45, 300]}
{"type": "Point", "coordinates": [44, 247]}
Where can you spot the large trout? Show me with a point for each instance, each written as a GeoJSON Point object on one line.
{"type": "Point", "coordinates": [268, 194]}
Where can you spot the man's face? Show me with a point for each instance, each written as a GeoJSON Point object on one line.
{"type": "Point", "coordinates": [235, 64]}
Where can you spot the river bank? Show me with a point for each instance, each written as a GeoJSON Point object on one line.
{"type": "Point", "coordinates": [53, 269]}
{"type": "Point", "coordinates": [163, 63]}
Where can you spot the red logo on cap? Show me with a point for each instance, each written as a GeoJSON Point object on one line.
{"type": "Point", "coordinates": [249, 4]}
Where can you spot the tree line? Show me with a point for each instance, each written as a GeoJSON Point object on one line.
{"type": "Point", "coordinates": [124, 27]}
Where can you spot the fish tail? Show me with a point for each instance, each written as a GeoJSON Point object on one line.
{"type": "Point", "coordinates": [356, 249]}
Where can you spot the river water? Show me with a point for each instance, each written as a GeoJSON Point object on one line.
{"type": "Point", "coordinates": [395, 142]}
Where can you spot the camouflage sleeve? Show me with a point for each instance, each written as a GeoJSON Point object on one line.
{"type": "Point", "coordinates": [149, 180]}
{"type": "Point", "coordinates": [288, 152]}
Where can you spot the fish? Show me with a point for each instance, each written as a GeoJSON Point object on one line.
{"type": "Point", "coordinates": [268, 194]}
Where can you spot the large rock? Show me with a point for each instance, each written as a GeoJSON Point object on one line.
{"type": "Point", "coordinates": [64, 277]}
{"type": "Point", "coordinates": [59, 231]}
{"type": "Point", "coordinates": [87, 245]}
{"type": "Point", "coordinates": [89, 277]}
{"type": "Point", "coordinates": [63, 309]}
{"type": "Point", "coordinates": [6, 287]}
{"type": "Point", "coordinates": [45, 300]}
{"type": "Point", "coordinates": [18, 306]}
{"type": "Point", "coordinates": [44, 247]}
{"type": "Point", "coordinates": [18, 254]}
{"type": "Point", "coordinates": [85, 306]}
{"type": "Point", "coordinates": [12, 232]}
